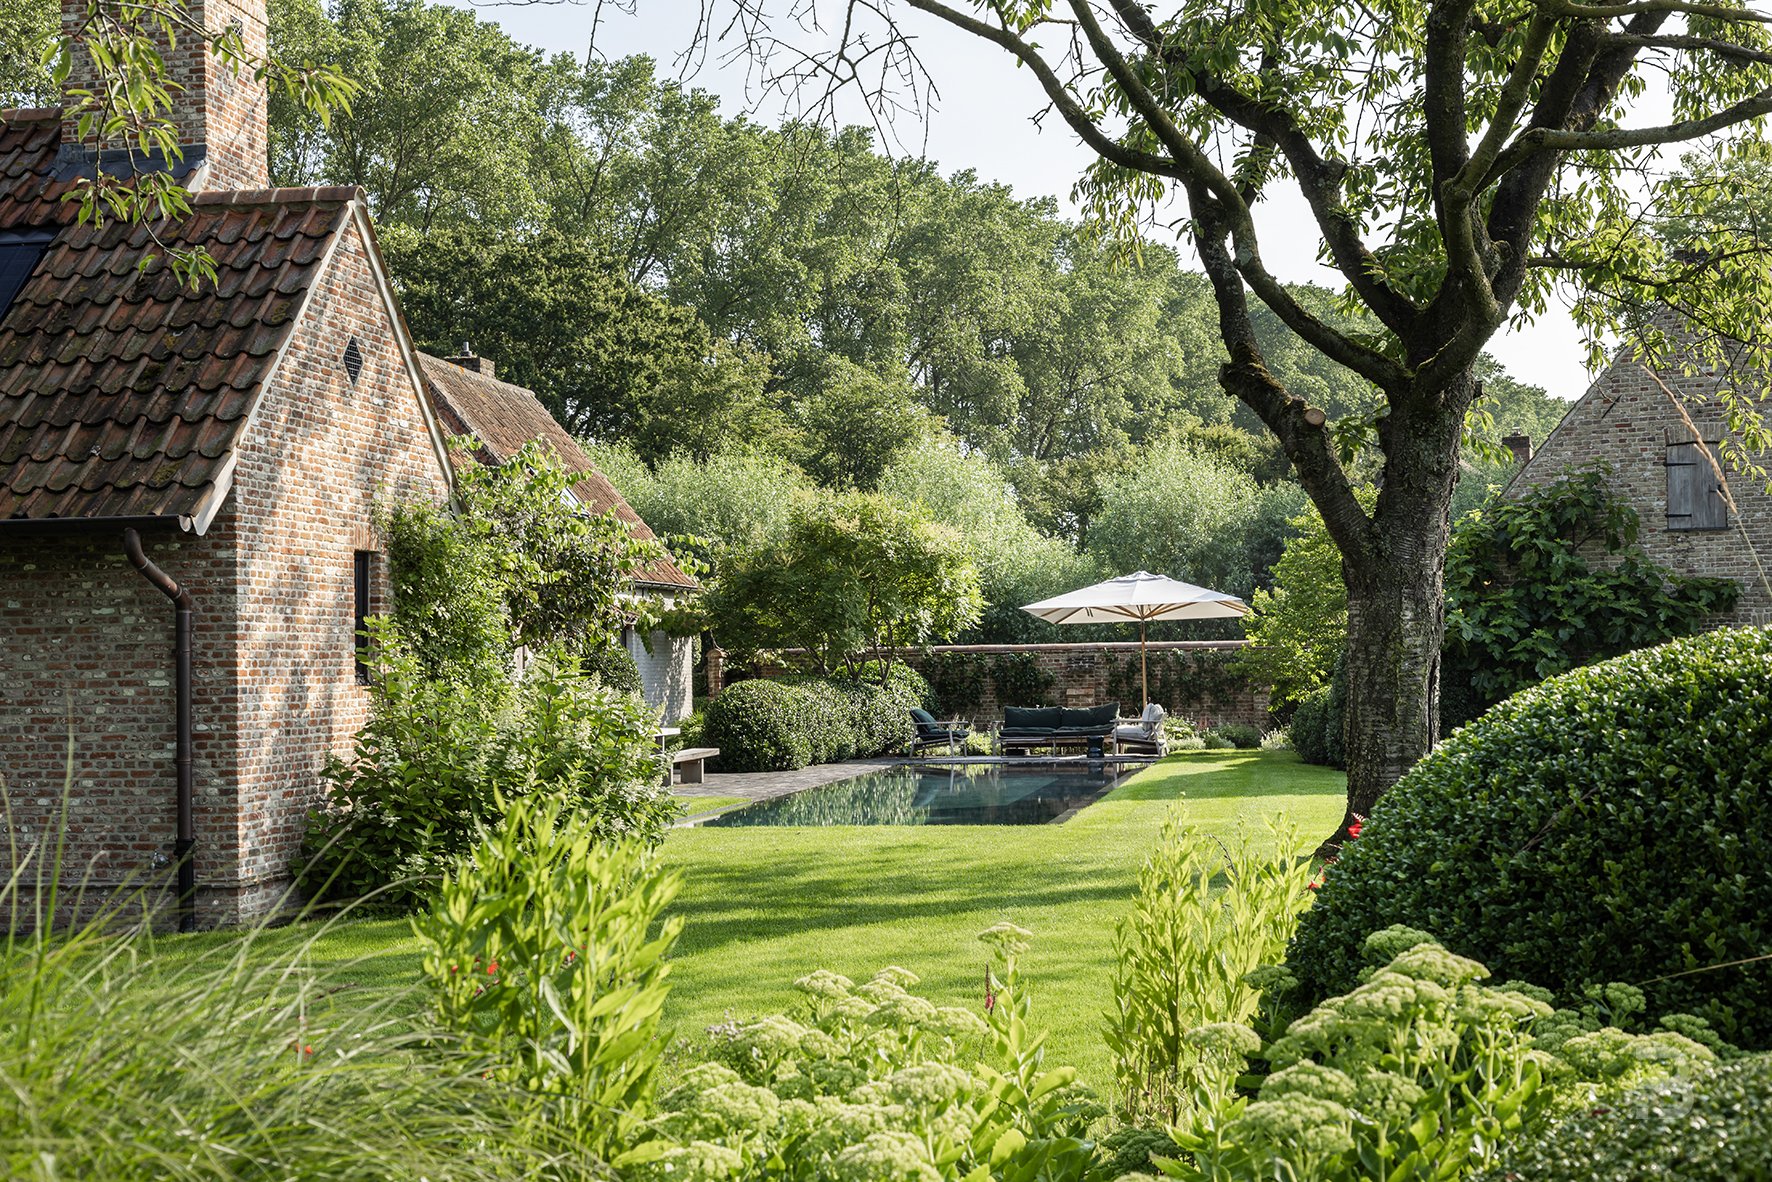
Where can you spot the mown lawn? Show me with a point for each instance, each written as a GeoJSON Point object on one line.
{"type": "Point", "coordinates": [766, 905]}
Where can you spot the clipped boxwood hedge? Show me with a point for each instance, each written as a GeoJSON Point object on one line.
{"type": "Point", "coordinates": [1611, 824]}
{"type": "Point", "coordinates": [781, 725]}
{"type": "Point", "coordinates": [1708, 1128]}
{"type": "Point", "coordinates": [758, 727]}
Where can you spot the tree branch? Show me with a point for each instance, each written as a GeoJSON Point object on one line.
{"type": "Point", "coordinates": [1204, 177]}
{"type": "Point", "coordinates": [1319, 179]}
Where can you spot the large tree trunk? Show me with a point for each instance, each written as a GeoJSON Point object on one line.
{"type": "Point", "coordinates": [1396, 618]}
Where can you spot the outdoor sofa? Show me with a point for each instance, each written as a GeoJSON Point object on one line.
{"type": "Point", "coordinates": [1028, 728]}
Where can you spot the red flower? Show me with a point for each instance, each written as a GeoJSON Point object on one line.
{"type": "Point", "coordinates": [492, 969]}
{"type": "Point", "coordinates": [1353, 831]}
{"type": "Point", "coordinates": [307, 1050]}
{"type": "Point", "coordinates": [1313, 885]}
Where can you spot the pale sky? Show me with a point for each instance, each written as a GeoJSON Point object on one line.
{"type": "Point", "coordinates": [982, 122]}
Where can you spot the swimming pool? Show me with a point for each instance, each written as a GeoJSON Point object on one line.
{"type": "Point", "coordinates": [939, 794]}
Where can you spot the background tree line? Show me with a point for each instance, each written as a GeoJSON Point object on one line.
{"type": "Point", "coordinates": [738, 315]}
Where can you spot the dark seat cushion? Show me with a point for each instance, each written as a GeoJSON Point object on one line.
{"type": "Point", "coordinates": [1026, 732]}
{"type": "Point", "coordinates": [922, 717]}
{"type": "Point", "coordinates": [1081, 732]}
{"type": "Point", "coordinates": [1032, 717]}
{"type": "Point", "coordinates": [1094, 716]}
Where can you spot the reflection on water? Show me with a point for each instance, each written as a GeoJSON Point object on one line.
{"type": "Point", "coordinates": [955, 794]}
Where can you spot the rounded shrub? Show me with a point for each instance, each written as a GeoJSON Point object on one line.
{"type": "Point", "coordinates": [759, 726]}
{"type": "Point", "coordinates": [1611, 824]}
{"type": "Point", "coordinates": [1310, 723]}
{"type": "Point", "coordinates": [614, 666]}
{"type": "Point", "coordinates": [1706, 1128]}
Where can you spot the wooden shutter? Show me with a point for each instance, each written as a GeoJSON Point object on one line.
{"type": "Point", "coordinates": [1694, 492]}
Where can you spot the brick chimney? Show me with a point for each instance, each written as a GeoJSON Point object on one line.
{"type": "Point", "coordinates": [480, 365]}
{"type": "Point", "coordinates": [1520, 444]}
{"type": "Point", "coordinates": [221, 115]}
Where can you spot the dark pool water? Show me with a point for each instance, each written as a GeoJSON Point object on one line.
{"type": "Point", "coordinates": [970, 794]}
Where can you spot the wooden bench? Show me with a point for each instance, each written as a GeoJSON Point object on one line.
{"type": "Point", "coordinates": [689, 765]}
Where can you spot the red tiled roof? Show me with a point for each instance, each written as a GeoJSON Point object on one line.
{"type": "Point", "coordinates": [505, 418]}
{"type": "Point", "coordinates": [122, 394]}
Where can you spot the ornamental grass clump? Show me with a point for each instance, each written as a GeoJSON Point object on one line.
{"type": "Point", "coordinates": [1610, 824]}
{"type": "Point", "coordinates": [126, 1058]}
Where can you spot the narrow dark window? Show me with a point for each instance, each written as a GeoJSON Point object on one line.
{"type": "Point", "coordinates": [19, 255]}
{"type": "Point", "coordinates": [353, 359]}
{"type": "Point", "coordinates": [1694, 488]}
{"type": "Point", "coordinates": [360, 568]}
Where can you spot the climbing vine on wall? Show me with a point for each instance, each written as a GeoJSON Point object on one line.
{"type": "Point", "coordinates": [1187, 682]}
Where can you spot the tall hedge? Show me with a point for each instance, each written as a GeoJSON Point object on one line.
{"type": "Point", "coordinates": [1611, 824]}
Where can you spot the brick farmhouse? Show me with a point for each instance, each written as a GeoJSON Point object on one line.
{"type": "Point", "coordinates": [244, 430]}
{"type": "Point", "coordinates": [1696, 516]}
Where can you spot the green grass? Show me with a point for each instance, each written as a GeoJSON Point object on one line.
{"type": "Point", "coordinates": [766, 905]}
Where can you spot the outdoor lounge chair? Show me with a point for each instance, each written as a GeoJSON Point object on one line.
{"type": "Point", "coordinates": [1028, 728]}
{"type": "Point", "coordinates": [931, 733]}
{"type": "Point", "coordinates": [1142, 735]}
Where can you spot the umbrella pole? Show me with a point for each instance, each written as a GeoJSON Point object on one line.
{"type": "Point", "coordinates": [1144, 674]}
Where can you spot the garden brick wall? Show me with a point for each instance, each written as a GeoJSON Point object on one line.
{"type": "Point", "coordinates": [89, 642]}
{"type": "Point", "coordinates": [1626, 422]}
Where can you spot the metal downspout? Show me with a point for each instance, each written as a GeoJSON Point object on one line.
{"type": "Point", "coordinates": [183, 616]}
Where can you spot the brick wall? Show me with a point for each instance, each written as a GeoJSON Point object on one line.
{"type": "Point", "coordinates": [90, 642]}
{"type": "Point", "coordinates": [88, 661]}
{"type": "Point", "coordinates": [1626, 421]}
{"type": "Point", "coordinates": [218, 110]}
{"type": "Point", "coordinates": [320, 451]}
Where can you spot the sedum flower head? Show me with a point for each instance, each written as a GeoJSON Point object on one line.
{"type": "Point", "coordinates": [839, 1123]}
{"type": "Point", "coordinates": [740, 1106]}
{"type": "Point", "coordinates": [1007, 938]}
{"type": "Point", "coordinates": [696, 1161]}
{"type": "Point", "coordinates": [825, 983]}
{"type": "Point", "coordinates": [925, 1086]}
{"type": "Point", "coordinates": [1306, 1078]}
{"type": "Point", "coordinates": [695, 1081]}
{"type": "Point", "coordinates": [853, 1009]}
{"type": "Point", "coordinates": [957, 1023]}
{"type": "Point", "coordinates": [885, 1157]}
{"type": "Point", "coordinates": [907, 1009]}
{"type": "Point", "coordinates": [1384, 946]}
{"type": "Point", "coordinates": [1224, 1038]}
{"type": "Point", "coordinates": [902, 977]}
{"type": "Point", "coordinates": [773, 1037]}
{"type": "Point", "coordinates": [1386, 1098]}
{"type": "Point", "coordinates": [1317, 1127]}
{"type": "Point", "coordinates": [1430, 962]}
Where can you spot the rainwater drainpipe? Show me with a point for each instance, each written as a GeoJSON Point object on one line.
{"type": "Point", "coordinates": [185, 610]}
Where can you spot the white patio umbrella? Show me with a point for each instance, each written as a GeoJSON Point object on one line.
{"type": "Point", "coordinates": [1139, 596]}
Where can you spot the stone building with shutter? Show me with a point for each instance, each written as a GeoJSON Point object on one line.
{"type": "Point", "coordinates": [505, 417]}
{"type": "Point", "coordinates": [229, 441]}
{"type": "Point", "coordinates": [1696, 516]}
